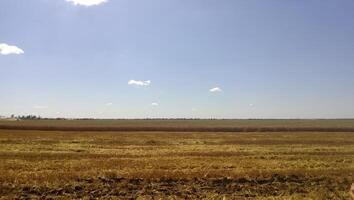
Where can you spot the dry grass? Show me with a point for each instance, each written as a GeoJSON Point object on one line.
{"type": "Point", "coordinates": [192, 165]}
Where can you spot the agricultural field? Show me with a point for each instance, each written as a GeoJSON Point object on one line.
{"type": "Point", "coordinates": [227, 123]}
{"type": "Point", "coordinates": [84, 164]}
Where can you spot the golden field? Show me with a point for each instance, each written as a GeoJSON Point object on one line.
{"type": "Point", "coordinates": [36, 164]}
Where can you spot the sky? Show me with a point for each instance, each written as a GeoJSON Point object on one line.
{"type": "Point", "coordinates": [177, 58]}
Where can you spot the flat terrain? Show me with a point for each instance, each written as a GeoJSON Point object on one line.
{"type": "Point", "coordinates": [183, 125]}
{"type": "Point", "coordinates": [176, 165]}
{"type": "Point", "coordinates": [291, 123]}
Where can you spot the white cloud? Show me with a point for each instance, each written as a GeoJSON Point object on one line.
{"type": "Point", "coordinates": [87, 2]}
{"type": "Point", "coordinates": [215, 89]}
{"type": "Point", "coordinates": [109, 104]}
{"type": "Point", "coordinates": [154, 104]}
{"type": "Point", "coordinates": [6, 49]}
{"type": "Point", "coordinates": [139, 83]}
{"type": "Point", "coordinates": [251, 105]}
{"type": "Point", "coordinates": [40, 107]}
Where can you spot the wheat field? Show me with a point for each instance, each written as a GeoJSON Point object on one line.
{"type": "Point", "coordinates": [37, 164]}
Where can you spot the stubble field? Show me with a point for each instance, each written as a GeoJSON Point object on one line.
{"type": "Point", "coordinates": [37, 164]}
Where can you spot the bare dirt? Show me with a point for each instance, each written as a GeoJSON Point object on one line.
{"type": "Point", "coordinates": [196, 188]}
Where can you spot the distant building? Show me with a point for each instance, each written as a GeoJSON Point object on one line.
{"type": "Point", "coordinates": [8, 118]}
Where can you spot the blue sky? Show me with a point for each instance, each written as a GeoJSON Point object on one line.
{"type": "Point", "coordinates": [177, 58]}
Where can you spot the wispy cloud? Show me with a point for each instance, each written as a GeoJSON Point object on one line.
{"type": "Point", "coordinates": [6, 49]}
{"type": "Point", "coordinates": [154, 104]}
{"type": "Point", "coordinates": [40, 107]}
{"type": "Point", "coordinates": [87, 2]}
{"type": "Point", "coordinates": [109, 104]}
{"type": "Point", "coordinates": [139, 83]}
{"type": "Point", "coordinates": [215, 89]}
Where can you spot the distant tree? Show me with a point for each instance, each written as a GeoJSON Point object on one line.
{"type": "Point", "coordinates": [29, 117]}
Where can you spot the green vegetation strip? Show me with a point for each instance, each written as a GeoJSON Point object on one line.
{"type": "Point", "coordinates": [179, 129]}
